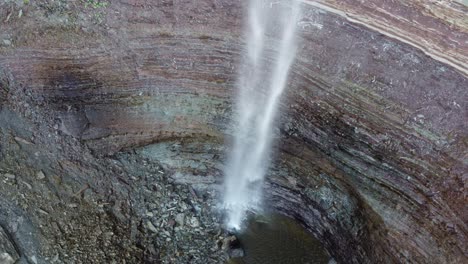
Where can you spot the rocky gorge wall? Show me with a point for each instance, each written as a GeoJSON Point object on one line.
{"type": "Point", "coordinates": [103, 107]}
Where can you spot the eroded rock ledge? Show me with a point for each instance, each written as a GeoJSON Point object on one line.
{"type": "Point", "coordinates": [112, 104]}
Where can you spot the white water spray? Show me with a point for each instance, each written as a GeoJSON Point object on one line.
{"type": "Point", "coordinates": [261, 84]}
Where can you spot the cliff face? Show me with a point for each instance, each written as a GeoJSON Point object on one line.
{"type": "Point", "coordinates": [372, 141]}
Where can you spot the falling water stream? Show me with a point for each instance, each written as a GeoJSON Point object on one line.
{"type": "Point", "coordinates": [261, 84]}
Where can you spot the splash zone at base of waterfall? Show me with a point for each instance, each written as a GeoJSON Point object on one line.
{"type": "Point", "coordinates": [261, 83]}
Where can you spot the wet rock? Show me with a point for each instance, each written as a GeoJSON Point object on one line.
{"type": "Point", "coordinates": [6, 42]}
{"type": "Point", "coordinates": [194, 222]}
{"type": "Point", "coordinates": [231, 245]}
{"type": "Point", "coordinates": [23, 141]}
{"type": "Point", "coordinates": [236, 253]}
{"type": "Point", "coordinates": [33, 259]}
{"type": "Point", "coordinates": [10, 176]}
{"type": "Point", "coordinates": [180, 178]}
{"type": "Point", "coordinates": [151, 227]}
{"type": "Point", "coordinates": [40, 175]}
{"type": "Point", "coordinates": [117, 212]}
{"type": "Point", "coordinates": [73, 122]}
{"type": "Point", "coordinates": [180, 219]}
{"type": "Point", "coordinates": [149, 214]}
{"type": "Point", "coordinates": [230, 242]}
{"type": "Point", "coordinates": [6, 258]}
{"type": "Point", "coordinates": [29, 186]}
{"type": "Point", "coordinates": [8, 253]}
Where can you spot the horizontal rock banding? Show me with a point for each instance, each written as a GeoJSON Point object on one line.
{"type": "Point", "coordinates": [373, 131]}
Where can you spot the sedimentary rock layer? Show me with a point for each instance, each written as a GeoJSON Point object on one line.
{"type": "Point", "coordinates": [372, 139]}
{"type": "Point", "coordinates": [439, 28]}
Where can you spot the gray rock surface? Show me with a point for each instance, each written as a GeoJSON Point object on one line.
{"type": "Point", "coordinates": [126, 108]}
{"type": "Point", "coordinates": [8, 253]}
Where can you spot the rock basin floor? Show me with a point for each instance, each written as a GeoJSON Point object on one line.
{"type": "Point", "coordinates": [278, 239]}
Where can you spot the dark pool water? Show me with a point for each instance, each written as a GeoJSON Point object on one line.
{"type": "Point", "coordinates": [278, 239]}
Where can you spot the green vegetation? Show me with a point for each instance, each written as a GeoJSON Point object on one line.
{"type": "Point", "coordinates": [96, 4]}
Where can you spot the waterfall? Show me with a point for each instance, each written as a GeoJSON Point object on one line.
{"type": "Point", "coordinates": [260, 85]}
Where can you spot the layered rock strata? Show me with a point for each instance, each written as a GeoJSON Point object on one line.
{"type": "Point", "coordinates": [372, 142]}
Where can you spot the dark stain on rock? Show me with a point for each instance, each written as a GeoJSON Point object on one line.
{"type": "Point", "coordinates": [68, 89]}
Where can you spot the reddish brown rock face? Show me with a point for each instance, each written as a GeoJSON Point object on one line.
{"type": "Point", "coordinates": [371, 155]}
{"type": "Point", "coordinates": [436, 28]}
